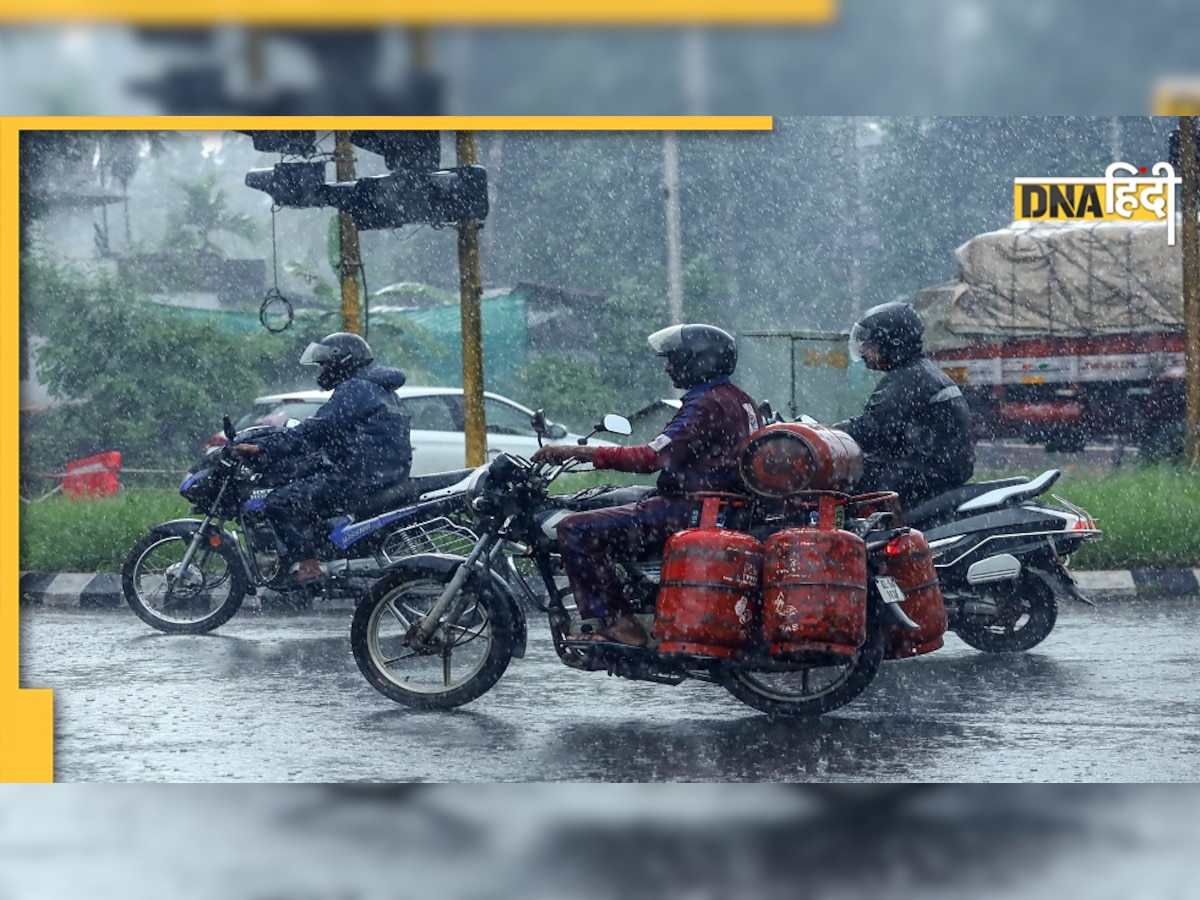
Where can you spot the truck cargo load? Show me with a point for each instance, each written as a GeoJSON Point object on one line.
{"type": "Point", "coordinates": [1065, 332]}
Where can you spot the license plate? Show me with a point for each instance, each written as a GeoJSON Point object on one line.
{"type": "Point", "coordinates": [889, 590]}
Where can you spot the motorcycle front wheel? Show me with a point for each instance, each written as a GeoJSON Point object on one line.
{"type": "Point", "coordinates": [177, 600]}
{"type": "Point", "coordinates": [809, 690]}
{"type": "Point", "coordinates": [457, 664]}
{"type": "Point", "coordinates": [1006, 618]}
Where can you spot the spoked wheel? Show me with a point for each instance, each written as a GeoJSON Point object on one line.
{"type": "Point", "coordinates": [183, 600]}
{"type": "Point", "coordinates": [810, 690]}
{"type": "Point", "coordinates": [460, 661]}
{"type": "Point", "coordinates": [1006, 618]}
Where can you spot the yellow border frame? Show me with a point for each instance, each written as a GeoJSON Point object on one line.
{"type": "Point", "coordinates": [1176, 97]}
{"type": "Point", "coordinates": [27, 715]}
{"type": "Point", "coordinates": [421, 12]}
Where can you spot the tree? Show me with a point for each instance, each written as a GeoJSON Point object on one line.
{"type": "Point", "coordinates": [205, 213]}
{"type": "Point", "coordinates": [134, 377]}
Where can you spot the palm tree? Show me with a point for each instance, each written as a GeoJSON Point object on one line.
{"type": "Point", "coordinates": [204, 213]}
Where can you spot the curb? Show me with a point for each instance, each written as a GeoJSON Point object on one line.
{"type": "Point", "coordinates": [81, 590]}
{"type": "Point", "coordinates": [75, 590]}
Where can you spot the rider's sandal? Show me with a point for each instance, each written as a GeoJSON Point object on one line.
{"type": "Point", "coordinates": [307, 572]}
{"type": "Point", "coordinates": [625, 634]}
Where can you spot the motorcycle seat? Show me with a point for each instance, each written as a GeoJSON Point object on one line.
{"type": "Point", "coordinates": [943, 505]}
{"type": "Point", "coordinates": [405, 493]}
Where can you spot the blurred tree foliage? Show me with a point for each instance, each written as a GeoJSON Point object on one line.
{"type": "Point", "coordinates": [138, 378]}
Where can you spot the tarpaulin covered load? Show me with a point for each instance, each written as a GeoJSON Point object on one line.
{"type": "Point", "coordinates": [1057, 280]}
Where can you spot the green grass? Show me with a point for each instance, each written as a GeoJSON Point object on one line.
{"type": "Point", "coordinates": [63, 535]}
{"type": "Point", "coordinates": [1150, 516]}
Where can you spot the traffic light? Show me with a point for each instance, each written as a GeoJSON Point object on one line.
{"type": "Point", "coordinates": [288, 143]}
{"type": "Point", "coordinates": [297, 185]}
{"type": "Point", "coordinates": [410, 151]}
{"type": "Point", "coordinates": [411, 198]}
{"type": "Point", "coordinates": [417, 191]}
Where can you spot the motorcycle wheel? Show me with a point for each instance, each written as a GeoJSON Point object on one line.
{"type": "Point", "coordinates": [1024, 616]}
{"type": "Point", "coordinates": [460, 662]}
{"type": "Point", "coordinates": [812, 690]}
{"type": "Point", "coordinates": [195, 601]}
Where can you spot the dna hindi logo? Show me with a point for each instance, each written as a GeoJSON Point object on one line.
{"type": "Point", "coordinates": [1125, 193]}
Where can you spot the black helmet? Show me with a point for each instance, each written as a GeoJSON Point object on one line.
{"type": "Point", "coordinates": [696, 353]}
{"type": "Point", "coordinates": [895, 328]}
{"type": "Point", "coordinates": [339, 355]}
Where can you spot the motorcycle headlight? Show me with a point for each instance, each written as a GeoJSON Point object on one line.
{"type": "Point", "coordinates": [476, 487]}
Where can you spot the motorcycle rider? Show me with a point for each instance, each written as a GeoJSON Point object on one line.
{"type": "Point", "coordinates": [695, 452]}
{"type": "Point", "coordinates": [915, 429]}
{"type": "Point", "coordinates": [362, 433]}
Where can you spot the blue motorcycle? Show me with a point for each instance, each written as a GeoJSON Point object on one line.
{"type": "Point", "coordinates": [191, 575]}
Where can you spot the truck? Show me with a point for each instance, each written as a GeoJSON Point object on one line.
{"type": "Point", "coordinates": [1064, 333]}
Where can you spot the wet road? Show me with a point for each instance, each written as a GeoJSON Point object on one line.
{"type": "Point", "coordinates": [1109, 696]}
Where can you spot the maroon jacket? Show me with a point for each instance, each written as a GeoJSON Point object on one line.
{"type": "Point", "coordinates": [697, 450]}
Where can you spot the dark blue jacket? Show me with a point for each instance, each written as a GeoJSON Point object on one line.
{"type": "Point", "coordinates": [362, 430]}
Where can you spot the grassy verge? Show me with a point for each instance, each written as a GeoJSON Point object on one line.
{"type": "Point", "coordinates": [62, 535]}
{"type": "Point", "coordinates": [1150, 517]}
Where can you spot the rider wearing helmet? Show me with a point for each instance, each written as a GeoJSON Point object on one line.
{"type": "Point", "coordinates": [695, 452]}
{"type": "Point", "coordinates": [915, 429]}
{"type": "Point", "coordinates": [361, 432]}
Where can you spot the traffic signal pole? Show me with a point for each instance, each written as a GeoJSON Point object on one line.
{"type": "Point", "coordinates": [1190, 235]}
{"type": "Point", "coordinates": [471, 293]}
{"type": "Point", "coordinates": [350, 259]}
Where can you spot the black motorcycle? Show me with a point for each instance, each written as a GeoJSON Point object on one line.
{"type": "Point", "coordinates": [189, 576]}
{"type": "Point", "coordinates": [438, 630]}
{"type": "Point", "coordinates": [1001, 556]}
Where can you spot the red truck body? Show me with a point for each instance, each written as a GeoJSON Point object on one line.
{"type": "Point", "coordinates": [1066, 391]}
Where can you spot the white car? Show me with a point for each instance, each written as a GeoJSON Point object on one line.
{"type": "Point", "coordinates": [438, 442]}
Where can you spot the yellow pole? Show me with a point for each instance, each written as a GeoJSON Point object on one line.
{"type": "Point", "coordinates": [471, 292]}
{"type": "Point", "coordinates": [351, 261]}
{"type": "Point", "coordinates": [1190, 179]}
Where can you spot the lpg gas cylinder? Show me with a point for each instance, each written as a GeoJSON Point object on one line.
{"type": "Point", "coordinates": [788, 457]}
{"type": "Point", "coordinates": [907, 559]}
{"type": "Point", "coordinates": [708, 599]}
{"type": "Point", "coordinates": [814, 592]}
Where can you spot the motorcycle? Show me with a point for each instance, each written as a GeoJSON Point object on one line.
{"type": "Point", "coordinates": [1001, 556]}
{"type": "Point", "coordinates": [191, 575]}
{"type": "Point", "coordinates": [437, 631]}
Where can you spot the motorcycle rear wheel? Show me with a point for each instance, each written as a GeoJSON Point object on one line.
{"type": "Point", "coordinates": [177, 601]}
{"type": "Point", "coordinates": [813, 690]}
{"type": "Point", "coordinates": [459, 663]}
{"type": "Point", "coordinates": [1025, 616]}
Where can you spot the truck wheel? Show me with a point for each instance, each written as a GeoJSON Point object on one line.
{"type": "Point", "coordinates": [1066, 440]}
{"type": "Point", "coordinates": [1162, 443]}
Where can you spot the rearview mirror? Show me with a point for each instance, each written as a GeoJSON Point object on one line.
{"type": "Point", "coordinates": [556, 432]}
{"type": "Point", "coordinates": [617, 424]}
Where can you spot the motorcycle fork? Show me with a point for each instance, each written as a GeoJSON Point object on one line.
{"type": "Point", "coordinates": [432, 619]}
{"type": "Point", "coordinates": [194, 546]}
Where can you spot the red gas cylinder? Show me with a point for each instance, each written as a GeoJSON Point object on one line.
{"type": "Point", "coordinates": [708, 600]}
{"type": "Point", "coordinates": [814, 592]}
{"type": "Point", "coordinates": [788, 457]}
{"type": "Point", "coordinates": [906, 558]}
